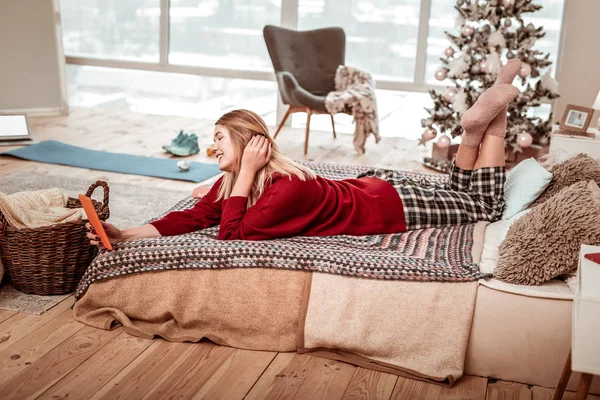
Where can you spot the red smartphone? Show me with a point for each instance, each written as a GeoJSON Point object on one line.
{"type": "Point", "coordinates": [595, 257]}
{"type": "Point", "coordinates": [94, 219]}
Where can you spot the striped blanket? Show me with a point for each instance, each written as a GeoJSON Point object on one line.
{"type": "Point", "coordinates": [441, 254]}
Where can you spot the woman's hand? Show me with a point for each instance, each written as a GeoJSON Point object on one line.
{"type": "Point", "coordinates": [115, 235]}
{"type": "Point", "coordinates": [201, 191]}
{"type": "Point", "coordinates": [256, 154]}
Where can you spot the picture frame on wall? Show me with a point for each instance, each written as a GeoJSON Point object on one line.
{"type": "Point", "coordinates": [576, 118]}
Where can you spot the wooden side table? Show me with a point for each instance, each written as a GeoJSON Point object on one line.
{"type": "Point", "coordinates": [584, 356]}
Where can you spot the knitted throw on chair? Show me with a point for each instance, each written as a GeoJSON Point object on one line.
{"type": "Point", "coordinates": [435, 254]}
{"type": "Point", "coordinates": [355, 89]}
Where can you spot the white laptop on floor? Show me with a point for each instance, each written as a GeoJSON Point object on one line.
{"type": "Point", "coordinates": [14, 130]}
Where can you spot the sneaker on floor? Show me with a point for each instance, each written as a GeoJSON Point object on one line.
{"type": "Point", "coordinates": [183, 145]}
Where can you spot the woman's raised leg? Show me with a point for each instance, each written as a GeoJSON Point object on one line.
{"type": "Point", "coordinates": [491, 153]}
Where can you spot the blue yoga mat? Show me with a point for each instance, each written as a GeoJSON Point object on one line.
{"type": "Point", "coordinates": [54, 152]}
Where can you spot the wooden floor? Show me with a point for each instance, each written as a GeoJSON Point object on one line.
{"type": "Point", "coordinates": [52, 356]}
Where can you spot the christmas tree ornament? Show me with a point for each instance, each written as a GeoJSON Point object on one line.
{"type": "Point", "coordinates": [496, 38]}
{"type": "Point", "coordinates": [531, 59]}
{"type": "Point", "coordinates": [475, 69]}
{"type": "Point", "coordinates": [508, 3]}
{"type": "Point", "coordinates": [493, 62]}
{"type": "Point", "coordinates": [458, 67]}
{"type": "Point", "coordinates": [486, 28]}
{"type": "Point", "coordinates": [510, 55]}
{"type": "Point", "coordinates": [467, 30]}
{"type": "Point", "coordinates": [525, 70]}
{"type": "Point", "coordinates": [473, 45]}
{"type": "Point", "coordinates": [443, 141]}
{"type": "Point", "coordinates": [460, 102]}
{"type": "Point", "coordinates": [450, 94]}
{"type": "Point", "coordinates": [449, 52]}
{"type": "Point", "coordinates": [483, 66]}
{"type": "Point", "coordinates": [441, 74]}
{"type": "Point", "coordinates": [429, 134]}
{"type": "Point", "coordinates": [507, 23]}
{"type": "Point", "coordinates": [548, 82]}
{"type": "Point", "coordinates": [530, 27]}
{"type": "Point", "coordinates": [460, 2]}
{"type": "Point", "coordinates": [524, 139]}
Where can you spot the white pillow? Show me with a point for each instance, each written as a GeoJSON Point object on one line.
{"type": "Point", "coordinates": [524, 184]}
{"type": "Point", "coordinates": [509, 223]}
{"type": "Point", "coordinates": [489, 254]}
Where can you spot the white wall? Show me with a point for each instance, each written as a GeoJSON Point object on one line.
{"type": "Point", "coordinates": [579, 69]}
{"type": "Point", "coordinates": [31, 58]}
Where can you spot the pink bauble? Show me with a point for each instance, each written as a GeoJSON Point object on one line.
{"type": "Point", "coordinates": [525, 70]}
{"type": "Point", "coordinates": [524, 139]}
{"type": "Point", "coordinates": [449, 52]}
{"type": "Point", "coordinates": [441, 74]}
{"type": "Point", "coordinates": [467, 30]}
{"type": "Point", "coordinates": [508, 3]}
{"type": "Point", "coordinates": [483, 66]}
{"type": "Point", "coordinates": [450, 94]}
{"type": "Point", "coordinates": [443, 141]}
{"type": "Point", "coordinates": [429, 133]}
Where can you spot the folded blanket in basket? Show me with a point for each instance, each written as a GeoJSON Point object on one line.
{"type": "Point", "coordinates": [38, 208]}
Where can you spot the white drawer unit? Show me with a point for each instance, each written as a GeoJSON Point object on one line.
{"type": "Point", "coordinates": [584, 356]}
{"type": "Point", "coordinates": [586, 315]}
{"type": "Point", "coordinates": [566, 146]}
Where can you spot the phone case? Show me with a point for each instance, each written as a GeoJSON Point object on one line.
{"type": "Point", "coordinates": [595, 257]}
{"type": "Point", "coordinates": [94, 219]}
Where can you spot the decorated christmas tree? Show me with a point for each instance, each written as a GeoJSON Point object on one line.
{"type": "Point", "coordinates": [492, 31]}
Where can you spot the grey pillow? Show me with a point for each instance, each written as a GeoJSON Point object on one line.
{"type": "Point", "coordinates": [576, 169]}
{"type": "Point", "coordinates": [544, 243]}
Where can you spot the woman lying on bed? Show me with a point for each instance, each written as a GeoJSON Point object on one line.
{"type": "Point", "coordinates": [265, 195]}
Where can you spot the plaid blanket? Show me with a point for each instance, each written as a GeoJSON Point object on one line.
{"type": "Point", "coordinates": [434, 254]}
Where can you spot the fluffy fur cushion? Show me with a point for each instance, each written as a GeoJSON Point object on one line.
{"type": "Point", "coordinates": [576, 169]}
{"type": "Point", "coordinates": [545, 242]}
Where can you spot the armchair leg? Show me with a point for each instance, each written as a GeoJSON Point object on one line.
{"type": "Point", "coordinates": [332, 125]}
{"type": "Point", "coordinates": [285, 117]}
{"type": "Point", "coordinates": [308, 115]}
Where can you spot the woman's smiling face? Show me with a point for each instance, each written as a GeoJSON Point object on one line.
{"type": "Point", "coordinates": [224, 149]}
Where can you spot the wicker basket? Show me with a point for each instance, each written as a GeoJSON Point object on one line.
{"type": "Point", "coordinates": [50, 260]}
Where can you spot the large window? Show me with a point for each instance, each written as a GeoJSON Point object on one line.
{"type": "Point", "coordinates": [111, 29]}
{"type": "Point", "coordinates": [221, 33]}
{"type": "Point", "coordinates": [381, 35]}
{"type": "Point", "coordinates": [204, 57]}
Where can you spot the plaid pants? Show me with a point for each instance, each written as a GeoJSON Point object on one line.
{"type": "Point", "coordinates": [467, 197]}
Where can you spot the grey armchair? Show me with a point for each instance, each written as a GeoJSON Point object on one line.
{"type": "Point", "coordinates": [305, 64]}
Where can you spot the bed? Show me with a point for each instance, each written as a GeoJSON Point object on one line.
{"type": "Point", "coordinates": [428, 315]}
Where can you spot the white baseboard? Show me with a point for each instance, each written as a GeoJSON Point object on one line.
{"type": "Point", "coordinates": [37, 112]}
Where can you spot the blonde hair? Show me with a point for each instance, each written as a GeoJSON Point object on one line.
{"type": "Point", "coordinates": [242, 126]}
